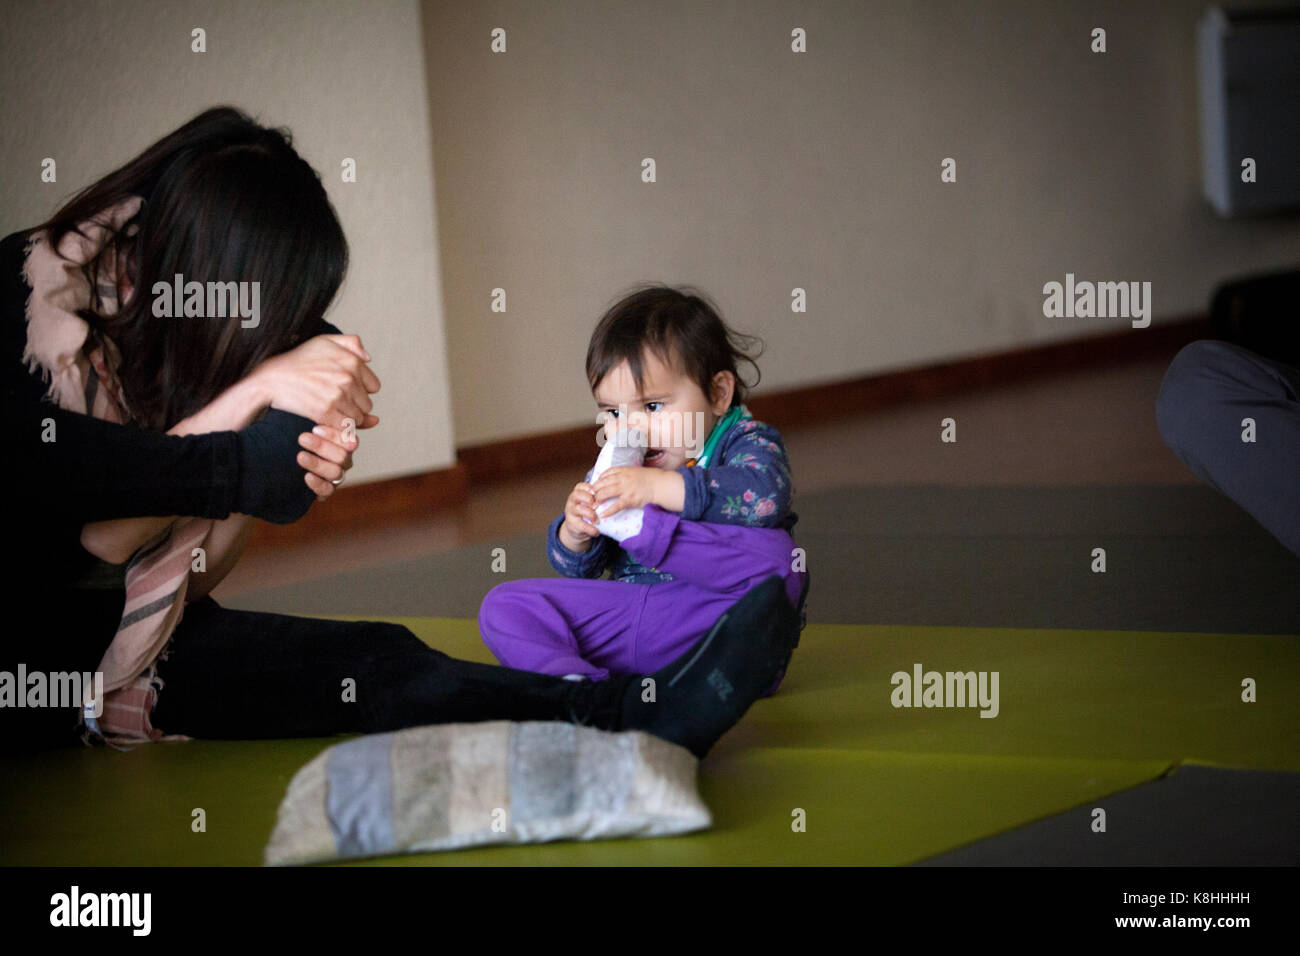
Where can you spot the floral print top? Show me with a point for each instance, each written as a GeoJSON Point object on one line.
{"type": "Point", "coordinates": [750, 485]}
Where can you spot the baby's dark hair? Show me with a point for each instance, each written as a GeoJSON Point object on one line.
{"type": "Point", "coordinates": [682, 327]}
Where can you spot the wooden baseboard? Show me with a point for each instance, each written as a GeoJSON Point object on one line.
{"type": "Point", "coordinates": [412, 497]}
{"type": "Point", "coordinates": [815, 404]}
{"type": "Point", "coordinates": [496, 461]}
{"type": "Point", "coordinates": [821, 403]}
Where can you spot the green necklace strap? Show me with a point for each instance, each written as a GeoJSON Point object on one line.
{"type": "Point", "coordinates": [715, 436]}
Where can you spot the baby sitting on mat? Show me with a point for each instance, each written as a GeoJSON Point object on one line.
{"type": "Point", "coordinates": [689, 504]}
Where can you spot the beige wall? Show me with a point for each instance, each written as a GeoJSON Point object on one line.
{"type": "Point", "coordinates": [776, 170]}
{"type": "Point", "coordinates": [92, 84]}
{"type": "Point", "coordinates": [818, 170]}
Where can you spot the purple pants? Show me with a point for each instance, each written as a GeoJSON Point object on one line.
{"type": "Point", "coordinates": [598, 628]}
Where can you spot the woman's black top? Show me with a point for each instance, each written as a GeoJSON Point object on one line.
{"type": "Point", "coordinates": [62, 604]}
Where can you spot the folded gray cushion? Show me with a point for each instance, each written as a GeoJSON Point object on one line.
{"type": "Point", "coordinates": [448, 786]}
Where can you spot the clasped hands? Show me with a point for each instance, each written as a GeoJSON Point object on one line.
{"type": "Point", "coordinates": [328, 380]}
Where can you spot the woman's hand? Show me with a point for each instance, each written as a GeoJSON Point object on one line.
{"type": "Point", "coordinates": [326, 379]}
{"type": "Point", "coordinates": [327, 458]}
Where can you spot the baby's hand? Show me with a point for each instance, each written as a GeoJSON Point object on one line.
{"type": "Point", "coordinates": [579, 527]}
{"type": "Point", "coordinates": [633, 486]}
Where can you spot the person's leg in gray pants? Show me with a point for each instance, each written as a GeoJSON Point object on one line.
{"type": "Point", "coordinates": [1210, 387]}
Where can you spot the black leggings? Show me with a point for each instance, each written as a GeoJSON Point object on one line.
{"type": "Point", "coordinates": [244, 675]}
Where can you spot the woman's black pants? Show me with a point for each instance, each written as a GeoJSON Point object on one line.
{"type": "Point", "coordinates": [244, 675]}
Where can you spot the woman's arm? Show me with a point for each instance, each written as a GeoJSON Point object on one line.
{"type": "Point", "coordinates": [75, 465]}
{"type": "Point", "coordinates": [294, 379]}
{"type": "Point", "coordinates": [307, 379]}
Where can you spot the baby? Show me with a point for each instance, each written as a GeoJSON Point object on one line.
{"type": "Point", "coordinates": [688, 505]}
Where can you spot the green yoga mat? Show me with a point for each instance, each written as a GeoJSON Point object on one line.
{"type": "Point", "coordinates": [1081, 714]}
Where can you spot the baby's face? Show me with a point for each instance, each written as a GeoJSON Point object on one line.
{"type": "Point", "coordinates": [669, 407]}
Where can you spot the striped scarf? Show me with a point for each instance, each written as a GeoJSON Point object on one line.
{"type": "Point", "coordinates": [80, 365]}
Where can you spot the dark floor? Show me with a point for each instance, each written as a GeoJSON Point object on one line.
{"type": "Point", "coordinates": [1195, 816]}
{"type": "Point", "coordinates": [1180, 558]}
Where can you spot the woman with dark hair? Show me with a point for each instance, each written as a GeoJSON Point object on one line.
{"type": "Point", "coordinates": [170, 377]}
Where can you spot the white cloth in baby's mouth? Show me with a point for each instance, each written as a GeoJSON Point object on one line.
{"type": "Point", "coordinates": [627, 448]}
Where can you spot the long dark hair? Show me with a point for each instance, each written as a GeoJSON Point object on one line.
{"type": "Point", "coordinates": [683, 328]}
{"type": "Point", "coordinates": [224, 200]}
